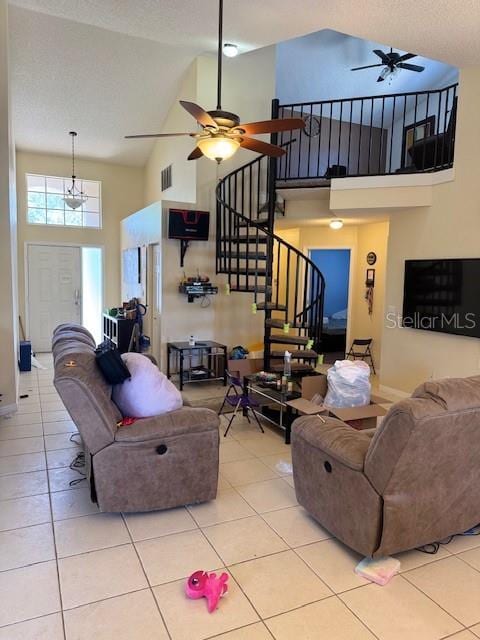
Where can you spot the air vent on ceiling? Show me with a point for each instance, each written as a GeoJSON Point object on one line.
{"type": "Point", "coordinates": [167, 177]}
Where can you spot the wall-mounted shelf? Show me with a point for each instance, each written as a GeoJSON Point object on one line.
{"type": "Point", "coordinates": [197, 290]}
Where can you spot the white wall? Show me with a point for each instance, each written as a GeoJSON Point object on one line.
{"type": "Point", "coordinates": [8, 290]}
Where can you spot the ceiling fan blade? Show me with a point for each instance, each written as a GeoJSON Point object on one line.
{"type": "Point", "coordinates": [407, 56]}
{"type": "Point", "coordinates": [383, 57]}
{"type": "Point", "coordinates": [262, 147]}
{"type": "Point", "coordinates": [200, 115]}
{"type": "Point", "coordinates": [271, 126]}
{"type": "Point", "coordinates": [161, 135]}
{"type": "Point", "coordinates": [410, 67]}
{"type": "Point", "coordinates": [196, 154]}
{"type": "Point", "coordinates": [368, 66]}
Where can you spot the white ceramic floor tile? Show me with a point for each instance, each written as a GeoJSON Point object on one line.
{"type": "Point", "coordinates": [31, 407]}
{"type": "Point", "coordinates": [246, 471]}
{"type": "Point", "coordinates": [257, 631]}
{"type": "Point", "coordinates": [413, 559]}
{"type": "Point", "coordinates": [134, 615]}
{"type": "Point", "coordinates": [21, 547]}
{"type": "Point", "coordinates": [269, 495]}
{"type": "Point", "coordinates": [28, 592]}
{"type": "Point", "coordinates": [24, 512]}
{"type": "Point", "coordinates": [328, 619]}
{"type": "Point", "coordinates": [462, 543]}
{"type": "Point", "coordinates": [19, 419]}
{"type": "Point", "coordinates": [463, 635]}
{"type": "Point", "coordinates": [264, 445]}
{"type": "Point", "coordinates": [281, 463]}
{"type": "Point", "coordinates": [244, 539]}
{"type": "Point", "coordinates": [231, 451]}
{"type": "Point", "coordinates": [44, 628]}
{"type": "Point", "coordinates": [275, 584]}
{"type": "Point", "coordinates": [453, 584]}
{"type": "Point", "coordinates": [61, 441]}
{"type": "Point", "coordinates": [21, 446]}
{"type": "Point", "coordinates": [52, 405]}
{"type": "Point", "coordinates": [61, 457]}
{"type": "Point", "coordinates": [70, 504]}
{"type": "Point", "coordinates": [186, 618]}
{"type": "Point", "coordinates": [64, 426]}
{"type": "Point", "coordinates": [177, 556]}
{"type": "Point", "coordinates": [100, 574]}
{"type": "Point", "coordinates": [398, 611]}
{"type": "Point", "coordinates": [229, 505]}
{"type": "Point", "coordinates": [60, 479]}
{"type": "Point", "coordinates": [22, 463]}
{"type": "Point", "coordinates": [296, 526]}
{"type": "Point", "coordinates": [23, 484]}
{"type": "Point", "coordinates": [27, 431]}
{"type": "Point", "coordinates": [90, 533]}
{"type": "Point", "coordinates": [55, 416]}
{"type": "Point", "coordinates": [476, 630]}
{"type": "Point", "coordinates": [154, 524]}
{"type": "Point", "coordinates": [334, 563]}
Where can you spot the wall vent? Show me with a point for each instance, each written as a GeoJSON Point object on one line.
{"type": "Point", "coordinates": [166, 177]}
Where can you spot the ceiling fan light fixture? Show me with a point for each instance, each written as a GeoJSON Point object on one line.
{"type": "Point", "coordinates": [218, 147]}
{"type": "Point", "coordinates": [336, 224]}
{"type": "Point", "coordinates": [230, 50]}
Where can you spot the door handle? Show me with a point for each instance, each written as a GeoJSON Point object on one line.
{"type": "Point", "coordinates": [77, 297]}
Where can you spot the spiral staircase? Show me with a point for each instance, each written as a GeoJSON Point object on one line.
{"type": "Point", "coordinates": [283, 283]}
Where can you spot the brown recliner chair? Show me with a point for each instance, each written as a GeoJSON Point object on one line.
{"type": "Point", "coordinates": [414, 481]}
{"type": "Point", "coordinates": [156, 463]}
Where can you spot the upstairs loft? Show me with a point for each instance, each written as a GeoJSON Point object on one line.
{"type": "Point", "coordinates": [385, 135]}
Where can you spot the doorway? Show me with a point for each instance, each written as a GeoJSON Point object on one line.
{"type": "Point", "coordinates": [335, 267]}
{"type": "Point", "coordinates": [64, 284]}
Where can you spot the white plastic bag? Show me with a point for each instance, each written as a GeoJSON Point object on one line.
{"type": "Point", "coordinates": [348, 384]}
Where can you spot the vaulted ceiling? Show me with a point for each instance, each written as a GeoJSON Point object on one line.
{"type": "Point", "coordinates": [108, 67]}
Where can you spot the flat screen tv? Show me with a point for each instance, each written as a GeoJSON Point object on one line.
{"type": "Point", "coordinates": [443, 295]}
{"type": "Point", "coordinates": [186, 224]}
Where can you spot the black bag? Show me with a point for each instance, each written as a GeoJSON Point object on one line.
{"type": "Point", "coordinates": [110, 362]}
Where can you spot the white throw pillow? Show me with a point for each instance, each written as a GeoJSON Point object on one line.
{"type": "Point", "coordinates": [148, 392]}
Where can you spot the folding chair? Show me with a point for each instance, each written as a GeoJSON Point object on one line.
{"type": "Point", "coordinates": [236, 398]}
{"type": "Point", "coordinates": [365, 354]}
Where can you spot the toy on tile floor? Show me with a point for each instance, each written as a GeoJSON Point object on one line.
{"type": "Point", "coordinates": [206, 585]}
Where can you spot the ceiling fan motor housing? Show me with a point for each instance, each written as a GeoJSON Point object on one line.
{"type": "Point", "coordinates": [225, 118]}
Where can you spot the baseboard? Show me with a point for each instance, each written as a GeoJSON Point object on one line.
{"type": "Point", "coordinates": [396, 392]}
{"type": "Point", "coordinates": [8, 409]}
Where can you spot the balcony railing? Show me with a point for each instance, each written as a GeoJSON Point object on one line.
{"type": "Point", "coordinates": [374, 135]}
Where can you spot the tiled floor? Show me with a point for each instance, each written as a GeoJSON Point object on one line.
{"type": "Point", "coordinates": [68, 572]}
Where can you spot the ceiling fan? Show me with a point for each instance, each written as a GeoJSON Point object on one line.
{"type": "Point", "coordinates": [221, 133]}
{"type": "Point", "coordinates": [392, 63]}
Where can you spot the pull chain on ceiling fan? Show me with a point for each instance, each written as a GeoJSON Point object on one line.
{"type": "Point", "coordinates": [221, 133]}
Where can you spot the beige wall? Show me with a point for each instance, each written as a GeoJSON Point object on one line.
{"type": "Point", "coordinates": [122, 193]}
{"type": "Point", "coordinates": [449, 228]}
{"type": "Point", "coordinates": [8, 293]}
{"type": "Point", "coordinates": [360, 239]}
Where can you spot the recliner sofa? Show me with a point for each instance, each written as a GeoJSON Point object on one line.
{"type": "Point", "coordinates": [155, 463]}
{"type": "Point", "coordinates": [413, 481]}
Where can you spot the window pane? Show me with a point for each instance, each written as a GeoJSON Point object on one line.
{"type": "Point", "coordinates": [92, 205]}
{"type": "Point", "coordinates": [91, 220]}
{"type": "Point", "coordinates": [55, 217]}
{"type": "Point", "coordinates": [35, 183]}
{"type": "Point", "coordinates": [73, 218]}
{"type": "Point", "coordinates": [36, 199]}
{"type": "Point", "coordinates": [54, 201]}
{"type": "Point", "coordinates": [91, 188]}
{"type": "Point", "coordinates": [36, 216]}
{"type": "Point", "coordinates": [55, 185]}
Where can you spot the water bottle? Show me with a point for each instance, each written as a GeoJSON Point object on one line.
{"type": "Point", "coordinates": [287, 364]}
{"type": "Point", "coordinates": [191, 341]}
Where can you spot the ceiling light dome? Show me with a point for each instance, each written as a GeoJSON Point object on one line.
{"type": "Point", "coordinates": [230, 50]}
{"type": "Point", "coordinates": [336, 224]}
{"type": "Point", "coordinates": [218, 147]}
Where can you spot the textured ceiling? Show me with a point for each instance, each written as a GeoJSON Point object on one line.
{"type": "Point", "coordinates": [110, 67]}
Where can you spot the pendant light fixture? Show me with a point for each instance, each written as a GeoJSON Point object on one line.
{"type": "Point", "coordinates": [74, 198]}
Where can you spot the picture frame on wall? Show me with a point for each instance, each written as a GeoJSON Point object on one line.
{"type": "Point", "coordinates": [413, 132]}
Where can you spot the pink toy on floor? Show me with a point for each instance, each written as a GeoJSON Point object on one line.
{"type": "Point", "coordinates": [204, 585]}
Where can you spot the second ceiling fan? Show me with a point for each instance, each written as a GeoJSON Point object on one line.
{"type": "Point", "coordinates": [392, 62]}
{"type": "Point", "coordinates": [221, 133]}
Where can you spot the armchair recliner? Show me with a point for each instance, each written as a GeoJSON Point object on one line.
{"type": "Point", "coordinates": [414, 481]}
{"type": "Point", "coordinates": [156, 463]}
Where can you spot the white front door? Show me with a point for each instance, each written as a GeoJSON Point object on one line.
{"type": "Point", "coordinates": [54, 291]}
